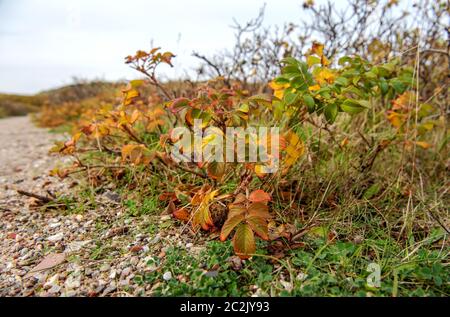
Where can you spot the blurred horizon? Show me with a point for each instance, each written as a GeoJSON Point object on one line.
{"type": "Point", "coordinates": [45, 44]}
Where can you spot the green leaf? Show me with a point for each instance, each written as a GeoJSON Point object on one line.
{"type": "Point", "coordinates": [341, 81]}
{"type": "Point", "coordinates": [351, 106]}
{"type": "Point", "coordinates": [309, 101]}
{"type": "Point", "coordinates": [289, 61]}
{"type": "Point", "coordinates": [398, 86]}
{"type": "Point", "coordinates": [331, 112]}
{"type": "Point", "coordinates": [290, 98]}
{"type": "Point", "coordinates": [384, 87]}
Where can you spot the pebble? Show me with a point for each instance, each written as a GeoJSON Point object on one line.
{"type": "Point", "coordinates": [56, 237]}
{"type": "Point", "coordinates": [54, 289]}
{"type": "Point", "coordinates": [52, 281]}
{"type": "Point", "coordinates": [109, 289]}
{"type": "Point", "coordinates": [113, 274]}
{"type": "Point", "coordinates": [73, 282]}
{"type": "Point", "coordinates": [126, 271]}
{"type": "Point", "coordinates": [167, 276]}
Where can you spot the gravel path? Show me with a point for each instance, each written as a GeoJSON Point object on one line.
{"type": "Point", "coordinates": [45, 252]}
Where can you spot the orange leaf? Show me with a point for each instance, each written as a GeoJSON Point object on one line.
{"type": "Point", "coordinates": [259, 226]}
{"type": "Point", "coordinates": [259, 196]}
{"type": "Point", "coordinates": [423, 145]}
{"type": "Point", "coordinates": [202, 216]}
{"type": "Point", "coordinates": [181, 214]}
{"type": "Point", "coordinates": [259, 209]}
{"type": "Point", "coordinates": [229, 225]}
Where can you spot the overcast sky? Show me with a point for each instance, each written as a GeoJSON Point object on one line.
{"type": "Point", "coordinates": [44, 43]}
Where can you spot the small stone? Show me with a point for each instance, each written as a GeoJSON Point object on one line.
{"type": "Point", "coordinates": [54, 289]}
{"type": "Point", "coordinates": [212, 273]}
{"type": "Point", "coordinates": [109, 289]}
{"type": "Point", "coordinates": [301, 276]}
{"type": "Point", "coordinates": [70, 293]}
{"type": "Point", "coordinates": [72, 282]}
{"type": "Point", "coordinates": [54, 225]}
{"type": "Point", "coordinates": [51, 281]}
{"type": "Point", "coordinates": [124, 283]}
{"type": "Point", "coordinates": [113, 274]}
{"type": "Point", "coordinates": [75, 246]}
{"type": "Point", "coordinates": [56, 237]}
{"type": "Point", "coordinates": [167, 276]}
{"type": "Point", "coordinates": [105, 267]}
{"type": "Point", "coordinates": [113, 196]}
{"type": "Point", "coordinates": [134, 260]}
{"type": "Point", "coordinates": [126, 271]}
{"type": "Point", "coordinates": [189, 245]}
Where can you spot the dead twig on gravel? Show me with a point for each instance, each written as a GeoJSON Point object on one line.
{"type": "Point", "coordinates": [43, 199]}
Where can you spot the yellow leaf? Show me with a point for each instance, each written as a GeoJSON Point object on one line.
{"type": "Point", "coordinates": [324, 61]}
{"type": "Point", "coordinates": [325, 76]}
{"type": "Point", "coordinates": [202, 216]}
{"type": "Point", "coordinates": [317, 48]}
{"type": "Point", "coordinates": [294, 149]}
{"type": "Point", "coordinates": [278, 89]}
{"type": "Point", "coordinates": [396, 119]}
{"type": "Point", "coordinates": [314, 88]}
{"type": "Point", "coordinates": [423, 145]}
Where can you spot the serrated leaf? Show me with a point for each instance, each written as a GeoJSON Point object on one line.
{"type": "Point", "coordinates": [244, 241]}
{"type": "Point", "coordinates": [342, 81]}
{"type": "Point", "coordinates": [262, 99]}
{"type": "Point", "coordinates": [230, 224]}
{"type": "Point", "coordinates": [259, 196]}
{"type": "Point", "coordinates": [259, 210]}
{"type": "Point", "coordinates": [259, 226]}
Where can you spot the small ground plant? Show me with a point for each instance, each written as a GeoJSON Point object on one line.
{"type": "Point", "coordinates": [133, 142]}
